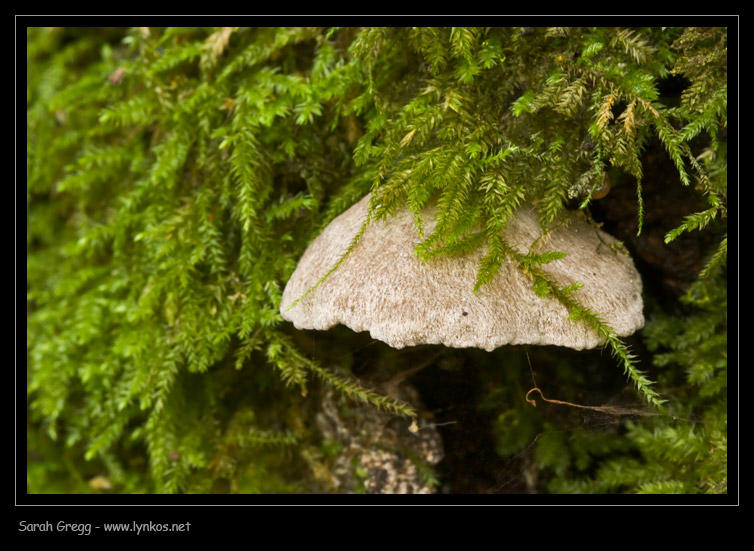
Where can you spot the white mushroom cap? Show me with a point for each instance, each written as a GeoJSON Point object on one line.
{"type": "Point", "coordinates": [383, 288]}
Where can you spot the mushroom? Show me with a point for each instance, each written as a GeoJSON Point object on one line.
{"type": "Point", "coordinates": [383, 288]}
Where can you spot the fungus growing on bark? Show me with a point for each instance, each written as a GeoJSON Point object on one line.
{"type": "Point", "coordinates": [383, 288]}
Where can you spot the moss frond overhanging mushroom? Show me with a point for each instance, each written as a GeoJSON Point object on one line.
{"type": "Point", "coordinates": [383, 288]}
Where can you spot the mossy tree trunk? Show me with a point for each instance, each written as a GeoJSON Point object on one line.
{"type": "Point", "coordinates": [176, 175]}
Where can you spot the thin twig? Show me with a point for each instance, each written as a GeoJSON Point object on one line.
{"type": "Point", "coordinates": [612, 410]}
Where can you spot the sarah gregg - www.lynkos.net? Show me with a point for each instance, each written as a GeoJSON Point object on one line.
{"type": "Point", "coordinates": [85, 529]}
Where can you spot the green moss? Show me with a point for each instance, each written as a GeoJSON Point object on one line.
{"type": "Point", "coordinates": [175, 176]}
